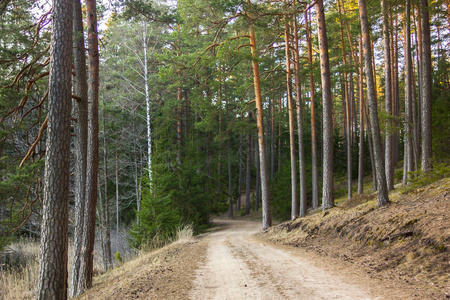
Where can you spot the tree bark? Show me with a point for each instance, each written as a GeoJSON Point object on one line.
{"type": "Point", "coordinates": [52, 281]}
{"type": "Point", "coordinates": [105, 207]}
{"type": "Point", "coordinates": [230, 190]}
{"type": "Point", "coordinates": [294, 197]}
{"type": "Point", "coordinates": [248, 174]}
{"type": "Point", "coordinates": [427, 164]}
{"type": "Point", "coordinates": [272, 144]}
{"type": "Point", "coordinates": [419, 82]}
{"type": "Point", "coordinates": [238, 204]}
{"type": "Point", "coordinates": [81, 113]}
{"type": "Point", "coordinates": [266, 215]}
{"type": "Point", "coordinates": [328, 184]}
{"type": "Point", "coordinates": [258, 179]}
{"type": "Point", "coordinates": [315, 176]}
{"type": "Point", "coordinates": [383, 197]}
{"type": "Point", "coordinates": [361, 122]}
{"type": "Point", "coordinates": [408, 150]}
{"type": "Point", "coordinates": [301, 144]}
{"type": "Point", "coordinates": [347, 111]}
{"type": "Point", "coordinates": [389, 166]}
{"type": "Point", "coordinates": [147, 108]}
{"type": "Point", "coordinates": [117, 196]}
{"type": "Point", "coordinates": [86, 270]}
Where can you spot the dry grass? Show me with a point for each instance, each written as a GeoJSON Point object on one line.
{"type": "Point", "coordinates": [20, 282]}
{"type": "Point", "coordinates": [185, 234]}
{"type": "Point", "coordinates": [164, 273]}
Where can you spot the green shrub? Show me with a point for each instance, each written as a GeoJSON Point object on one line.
{"type": "Point", "coordinates": [419, 178]}
{"type": "Point", "coordinates": [118, 257]}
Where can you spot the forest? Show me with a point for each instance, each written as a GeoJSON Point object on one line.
{"type": "Point", "coordinates": [123, 121]}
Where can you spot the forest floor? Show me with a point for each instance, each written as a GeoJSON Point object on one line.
{"type": "Point", "coordinates": [353, 251]}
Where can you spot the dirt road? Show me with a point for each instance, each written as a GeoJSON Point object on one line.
{"type": "Point", "coordinates": [239, 266]}
{"type": "Point", "coordinates": [231, 263]}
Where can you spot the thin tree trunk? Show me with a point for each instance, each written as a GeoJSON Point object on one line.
{"type": "Point", "coordinates": [315, 176]}
{"type": "Point", "coordinates": [372, 156]}
{"type": "Point", "coordinates": [408, 156]}
{"type": "Point", "coordinates": [80, 89]}
{"type": "Point", "coordinates": [389, 165]}
{"type": "Point", "coordinates": [279, 135]}
{"type": "Point", "coordinates": [266, 215]}
{"type": "Point", "coordinates": [147, 108]}
{"type": "Point", "coordinates": [230, 190]}
{"type": "Point", "coordinates": [383, 197]}
{"type": "Point", "coordinates": [136, 176]}
{"type": "Point", "coordinates": [100, 209]}
{"type": "Point", "coordinates": [427, 164]}
{"type": "Point", "coordinates": [328, 177]}
{"type": "Point", "coordinates": [294, 197]}
{"type": "Point", "coordinates": [272, 144]}
{"type": "Point", "coordinates": [219, 154]}
{"type": "Point", "coordinates": [347, 111]}
{"type": "Point", "coordinates": [87, 266]}
{"type": "Point", "coordinates": [258, 179]}
{"type": "Point", "coordinates": [52, 281]}
{"type": "Point", "coordinates": [105, 207]}
{"type": "Point", "coordinates": [301, 145]}
{"type": "Point", "coordinates": [248, 173]}
{"type": "Point", "coordinates": [361, 122]}
{"type": "Point", "coordinates": [419, 82]}
{"type": "Point", "coordinates": [117, 195]}
{"type": "Point", "coordinates": [179, 124]}
{"type": "Point", "coordinates": [239, 174]}
{"type": "Point", "coordinates": [396, 104]}
{"type": "Point", "coordinates": [416, 96]}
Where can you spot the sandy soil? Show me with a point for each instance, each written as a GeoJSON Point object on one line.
{"type": "Point", "coordinates": [239, 266]}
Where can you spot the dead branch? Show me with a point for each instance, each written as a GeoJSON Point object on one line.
{"type": "Point", "coordinates": [38, 138]}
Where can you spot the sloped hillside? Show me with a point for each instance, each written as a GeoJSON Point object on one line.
{"type": "Point", "coordinates": [409, 240]}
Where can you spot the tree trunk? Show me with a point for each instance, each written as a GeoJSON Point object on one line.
{"type": "Point", "coordinates": [372, 156]}
{"type": "Point", "coordinates": [147, 109]}
{"type": "Point", "coordinates": [328, 177]}
{"type": "Point", "coordinates": [419, 82]}
{"type": "Point", "coordinates": [347, 111]}
{"type": "Point", "coordinates": [299, 103]}
{"type": "Point", "coordinates": [105, 207]}
{"type": "Point", "coordinates": [239, 174]}
{"type": "Point", "coordinates": [101, 214]}
{"type": "Point", "coordinates": [408, 150]}
{"type": "Point", "coordinates": [315, 176]}
{"type": "Point", "coordinates": [427, 164]}
{"type": "Point", "coordinates": [389, 165]}
{"type": "Point", "coordinates": [81, 113]}
{"type": "Point", "coordinates": [294, 197]}
{"type": "Point", "coordinates": [258, 179]}
{"type": "Point", "coordinates": [52, 281]}
{"type": "Point", "coordinates": [248, 174]}
{"type": "Point", "coordinates": [361, 122]}
{"type": "Point", "coordinates": [230, 190]}
{"type": "Point", "coordinates": [117, 196]}
{"type": "Point", "coordinates": [279, 135]}
{"type": "Point", "coordinates": [92, 156]}
{"type": "Point", "coordinates": [383, 197]}
{"type": "Point", "coordinates": [266, 215]}
{"type": "Point", "coordinates": [272, 144]}
{"type": "Point", "coordinates": [179, 124]}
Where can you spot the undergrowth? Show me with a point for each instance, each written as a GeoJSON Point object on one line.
{"type": "Point", "coordinates": [420, 179]}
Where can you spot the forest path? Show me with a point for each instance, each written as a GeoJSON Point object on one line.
{"type": "Point", "coordinates": [238, 266]}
